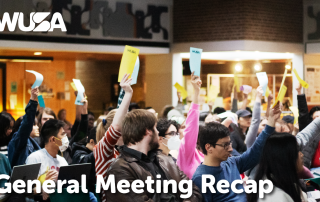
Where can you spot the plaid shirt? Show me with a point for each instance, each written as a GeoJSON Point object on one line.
{"type": "Point", "coordinates": [120, 97]}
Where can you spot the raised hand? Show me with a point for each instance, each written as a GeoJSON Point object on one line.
{"type": "Point", "coordinates": [126, 84]}
{"type": "Point", "coordinates": [84, 107]}
{"type": "Point", "coordinates": [299, 88]}
{"type": "Point", "coordinates": [274, 114]}
{"type": "Point", "coordinates": [259, 93]}
{"type": "Point", "coordinates": [196, 82]}
{"type": "Point", "coordinates": [34, 93]}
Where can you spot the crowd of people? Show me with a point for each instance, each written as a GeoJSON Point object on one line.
{"type": "Point", "coordinates": [134, 144]}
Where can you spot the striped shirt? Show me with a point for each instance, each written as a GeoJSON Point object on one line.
{"type": "Point", "coordinates": [4, 150]}
{"type": "Point", "coordinates": [105, 153]}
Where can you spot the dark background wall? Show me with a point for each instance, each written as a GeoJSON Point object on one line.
{"type": "Point", "coordinates": [216, 20]}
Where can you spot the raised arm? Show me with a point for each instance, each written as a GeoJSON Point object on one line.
{"type": "Point", "coordinates": [304, 117]}
{"type": "Point", "coordinates": [188, 144]}
{"type": "Point", "coordinates": [254, 126]}
{"type": "Point", "coordinates": [251, 157]}
{"type": "Point", "coordinates": [245, 101]}
{"type": "Point", "coordinates": [234, 107]}
{"type": "Point", "coordinates": [309, 133]}
{"type": "Point", "coordinates": [83, 125]}
{"type": "Point", "coordinates": [270, 98]}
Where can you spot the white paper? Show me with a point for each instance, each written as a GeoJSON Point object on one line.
{"type": "Point", "coordinates": [39, 78]}
{"type": "Point", "coordinates": [80, 89]}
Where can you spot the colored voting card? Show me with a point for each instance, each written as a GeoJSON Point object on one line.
{"type": "Point", "coordinates": [213, 93]}
{"type": "Point", "coordinates": [73, 86]}
{"type": "Point", "coordinates": [302, 82]}
{"type": "Point", "coordinates": [295, 112]}
{"type": "Point", "coordinates": [41, 101]}
{"type": "Point", "coordinates": [281, 95]}
{"type": "Point", "coordinates": [184, 93]}
{"type": "Point", "coordinates": [263, 81]}
{"type": "Point", "coordinates": [236, 82]}
{"type": "Point", "coordinates": [195, 60]}
{"type": "Point", "coordinates": [246, 89]}
{"type": "Point", "coordinates": [80, 89]}
{"type": "Point", "coordinates": [128, 61]}
{"type": "Point", "coordinates": [135, 72]}
{"type": "Point", "coordinates": [39, 78]}
{"type": "Point", "coordinates": [267, 92]}
{"type": "Point", "coordinates": [284, 78]}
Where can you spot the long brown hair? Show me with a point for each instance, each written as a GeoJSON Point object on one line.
{"type": "Point", "coordinates": [103, 126]}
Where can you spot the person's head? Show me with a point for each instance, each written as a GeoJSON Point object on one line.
{"type": "Point", "coordinates": [62, 114]}
{"type": "Point", "coordinates": [218, 110]}
{"type": "Point", "coordinates": [244, 118]}
{"type": "Point", "coordinates": [35, 129]}
{"type": "Point", "coordinates": [45, 115]}
{"type": "Point", "coordinates": [104, 124]}
{"type": "Point", "coordinates": [133, 106]}
{"type": "Point", "coordinates": [106, 112]}
{"type": "Point", "coordinates": [150, 109]}
{"type": "Point", "coordinates": [280, 162]}
{"type": "Point", "coordinates": [90, 119]}
{"type": "Point", "coordinates": [139, 126]}
{"type": "Point", "coordinates": [168, 129]}
{"type": "Point", "coordinates": [314, 112]}
{"type": "Point", "coordinates": [282, 127]}
{"type": "Point", "coordinates": [91, 141]}
{"type": "Point", "coordinates": [6, 124]}
{"type": "Point", "coordinates": [165, 111]}
{"type": "Point", "coordinates": [215, 141]}
{"type": "Point", "coordinates": [289, 120]}
{"type": "Point", "coordinates": [52, 134]}
{"type": "Point", "coordinates": [203, 116]}
{"type": "Point", "coordinates": [67, 128]}
{"type": "Point", "coordinates": [212, 118]}
{"type": "Point", "coordinates": [262, 125]}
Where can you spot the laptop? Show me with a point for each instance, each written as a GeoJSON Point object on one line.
{"type": "Point", "coordinates": [25, 172]}
{"type": "Point", "coordinates": [74, 172]}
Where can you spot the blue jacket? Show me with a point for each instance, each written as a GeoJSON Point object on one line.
{"type": "Point", "coordinates": [21, 144]}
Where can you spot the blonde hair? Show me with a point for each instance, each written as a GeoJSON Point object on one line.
{"type": "Point", "coordinates": [102, 129]}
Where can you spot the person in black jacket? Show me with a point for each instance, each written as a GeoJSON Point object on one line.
{"type": "Point", "coordinates": [82, 153]}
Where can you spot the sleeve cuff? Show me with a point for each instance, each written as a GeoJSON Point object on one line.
{"type": "Point", "coordinates": [302, 96]}
{"type": "Point", "coordinates": [33, 102]}
{"type": "Point", "coordinates": [269, 129]}
{"type": "Point", "coordinates": [195, 106]}
{"type": "Point", "coordinates": [84, 116]}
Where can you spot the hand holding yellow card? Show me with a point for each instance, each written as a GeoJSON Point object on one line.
{"type": "Point", "coordinates": [295, 112]}
{"type": "Point", "coordinates": [281, 95]}
{"type": "Point", "coordinates": [302, 82]}
{"type": "Point", "coordinates": [73, 86]}
{"type": "Point", "coordinates": [128, 61]}
{"type": "Point", "coordinates": [184, 93]}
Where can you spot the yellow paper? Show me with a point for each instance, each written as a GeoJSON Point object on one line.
{"type": "Point", "coordinates": [213, 93]}
{"type": "Point", "coordinates": [42, 177]}
{"type": "Point", "coordinates": [295, 112]}
{"type": "Point", "coordinates": [267, 92]}
{"type": "Point", "coordinates": [73, 86]}
{"type": "Point", "coordinates": [236, 82]}
{"type": "Point", "coordinates": [284, 78]}
{"type": "Point", "coordinates": [184, 93]}
{"type": "Point", "coordinates": [128, 61]}
{"type": "Point", "coordinates": [281, 95]}
{"type": "Point", "coordinates": [302, 82]}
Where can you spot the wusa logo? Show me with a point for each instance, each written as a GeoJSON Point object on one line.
{"type": "Point", "coordinates": [38, 18]}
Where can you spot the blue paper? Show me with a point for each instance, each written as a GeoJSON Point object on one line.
{"type": "Point", "coordinates": [39, 78]}
{"type": "Point", "coordinates": [41, 101]}
{"type": "Point", "coordinates": [81, 90]}
{"type": "Point", "coordinates": [195, 60]}
{"type": "Point", "coordinates": [263, 81]}
{"type": "Point", "coordinates": [135, 72]}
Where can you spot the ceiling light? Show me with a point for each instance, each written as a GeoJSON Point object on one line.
{"type": "Point", "coordinates": [37, 53]}
{"type": "Point", "coordinates": [288, 66]}
{"type": "Point", "coordinates": [238, 67]}
{"type": "Point", "coordinates": [258, 66]}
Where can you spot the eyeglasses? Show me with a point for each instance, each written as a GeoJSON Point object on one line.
{"type": "Point", "coordinates": [226, 145]}
{"type": "Point", "coordinates": [172, 133]}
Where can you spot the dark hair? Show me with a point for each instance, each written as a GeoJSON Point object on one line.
{"type": "Point", "coordinates": [5, 120]}
{"type": "Point", "coordinates": [60, 112]}
{"type": "Point", "coordinates": [17, 124]}
{"type": "Point", "coordinates": [135, 124]}
{"type": "Point", "coordinates": [249, 109]}
{"type": "Point", "coordinates": [203, 115]}
{"type": "Point", "coordinates": [148, 108]}
{"type": "Point", "coordinates": [50, 128]}
{"type": "Point", "coordinates": [219, 110]}
{"type": "Point", "coordinates": [278, 162]}
{"type": "Point", "coordinates": [165, 111]}
{"type": "Point", "coordinates": [164, 124]}
{"type": "Point", "coordinates": [133, 106]}
{"type": "Point", "coordinates": [313, 110]}
{"type": "Point", "coordinates": [47, 111]}
{"type": "Point", "coordinates": [110, 108]}
{"type": "Point", "coordinates": [92, 135]}
{"type": "Point", "coordinates": [210, 134]}
{"type": "Point", "coordinates": [91, 113]}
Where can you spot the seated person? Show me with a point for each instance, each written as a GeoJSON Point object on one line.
{"type": "Point", "coordinates": [55, 139]}
{"type": "Point", "coordinates": [282, 170]}
{"type": "Point", "coordinates": [5, 168]}
{"type": "Point", "coordinates": [217, 149]}
{"type": "Point", "coordinates": [141, 158]}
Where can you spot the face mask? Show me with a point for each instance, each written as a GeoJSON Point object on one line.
{"type": "Point", "coordinates": [173, 143]}
{"type": "Point", "coordinates": [65, 144]}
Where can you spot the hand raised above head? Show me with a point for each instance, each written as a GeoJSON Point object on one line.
{"type": "Point", "coordinates": [196, 81]}
{"type": "Point", "coordinates": [34, 93]}
{"type": "Point", "coordinates": [259, 92]}
{"type": "Point", "coordinates": [126, 83]}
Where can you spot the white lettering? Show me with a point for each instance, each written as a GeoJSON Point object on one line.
{"type": "Point", "coordinates": [223, 184]}
{"type": "Point", "coordinates": [262, 190]}
{"type": "Point", "coordinates": [105, 186]}
{"type": "Point", "coordinates": [123, 184]}
{"type": "Point", "coordinates": [7, 21]}
{"type": "Point", "coordinates": [188, 190]}
{"type": "Point", "coordinates": [209, 185]}
{"type": "Point", "coordinates": [137, 184]}
{"type": "Point", "coordinates": [73, 187]}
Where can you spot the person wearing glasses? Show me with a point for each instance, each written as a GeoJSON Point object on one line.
{"type": "Point", "coordinates": [169, 138]}
{"type": "Point", "coordinates": [216, 146]}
